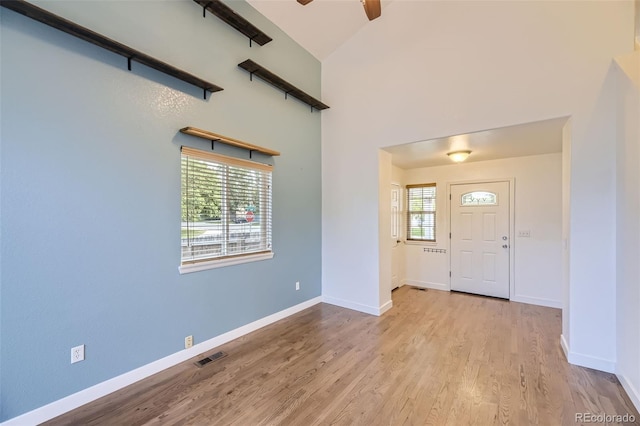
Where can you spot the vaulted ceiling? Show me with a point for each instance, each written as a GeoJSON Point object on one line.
{"type": "Point", "coordinates": [322, 26]}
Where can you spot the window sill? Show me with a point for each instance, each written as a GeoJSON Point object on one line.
{"type": "Point", "coordinates": [421, 243]}
{"type": "Point", "coordinates": [221, 263]}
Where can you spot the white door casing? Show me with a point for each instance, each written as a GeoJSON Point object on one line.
{"type": "Point", "coordinates": [480, 238]}
{"type": "Point", "coordinates": [396, 203]}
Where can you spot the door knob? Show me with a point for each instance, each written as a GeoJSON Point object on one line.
{"type": "Point", "coordinates": [505, 246]}
{"type": "Point", "coordinates": [504, 238]}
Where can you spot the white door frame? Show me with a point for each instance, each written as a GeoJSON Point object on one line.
{"type": "Point", "coordinates": [512, 198]}
{"type": "Point", "coordinates": [396, 255]}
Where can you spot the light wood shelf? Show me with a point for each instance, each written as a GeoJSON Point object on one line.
{"type": "Point", "coordinates": [214, 137]}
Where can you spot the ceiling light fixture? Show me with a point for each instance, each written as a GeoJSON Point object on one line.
{"type": "Point", "coordinates": [458, 156]}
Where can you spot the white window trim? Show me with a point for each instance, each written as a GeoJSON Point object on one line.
{"type": "Point", "coordinates": [421, 243]}
{"type": "Point", "coordinates": [221, 263]}
{"type": "Point", "coordinates": [406, 238]}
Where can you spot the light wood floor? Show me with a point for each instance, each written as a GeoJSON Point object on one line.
{"type": "Point", "coordinates": [436, 358]}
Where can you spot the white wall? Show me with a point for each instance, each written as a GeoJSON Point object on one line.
{"type": "Point", "coordinates": [538, 208]}
{"type": "Point", "coordinates": [432, 69]}
{"type": "Point", "coordinates": [628, 232]}
{"type": "Point", "coordinates": [397, 175]}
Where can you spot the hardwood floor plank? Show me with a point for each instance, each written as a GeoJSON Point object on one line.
{"type": "Point", "coordinates": [436, 358]}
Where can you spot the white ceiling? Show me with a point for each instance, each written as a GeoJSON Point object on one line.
{"type": "Point", "coordinates": [323, 25]}
{"type": "Point", "coordinates": [540, 137]}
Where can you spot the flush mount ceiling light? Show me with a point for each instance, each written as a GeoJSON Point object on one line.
{"type": "Point", "coordinates": [458, 156]}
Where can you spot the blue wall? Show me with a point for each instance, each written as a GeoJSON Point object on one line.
{"type": "Point", "coordinates": [90, 190]}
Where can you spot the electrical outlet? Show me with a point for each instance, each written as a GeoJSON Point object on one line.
{"type": "Point", "coordinates": [77, 354]}
{"type": "Point", "coordinates": [524, 234]}
{"type": "Point", "coordinates": [297, 285]}
{"type": "Point", "coordinates": [188, 342]}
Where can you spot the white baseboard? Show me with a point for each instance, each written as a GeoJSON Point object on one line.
{"type": "Point", "coordinates": [384, 308]}
{"type": "Point", "coordinates": [537, 301]}
{"type": "Point", "coordinates": [608, 366]}
{"type": "Point", "coordinates": [92, 393]}
{"type": "Point", "coordinates": [427, 284]}
{"type": "Point", "coordinates": [633, 393]}
{"type": "Point", "coordinates": [522, 299]}
{"type": "Point", "coordinates": [372, 310]}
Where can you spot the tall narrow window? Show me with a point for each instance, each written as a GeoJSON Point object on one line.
{"type": "Point", "coordinates": [226, 207]}
{"type": "Point", "coordinates": [421, 212]}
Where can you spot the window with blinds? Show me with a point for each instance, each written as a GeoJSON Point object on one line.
{"type": "Point", "coordinates": [226, 207]}
{"type": "Point", "coordinates": [421, 212]}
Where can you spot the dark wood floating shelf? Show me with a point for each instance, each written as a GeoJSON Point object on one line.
{"type": "Point", "coordinates": [69, 27]}
{"type": "Point", "coordinates": [214, 137]}
{"type": "Point", "coordinates": [229, 16]}
{"type": "Point", "coordinates": [287, 88]}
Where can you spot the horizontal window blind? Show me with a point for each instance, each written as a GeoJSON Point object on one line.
{"type": "Point", "coordinates": [421, 212]}
{"type": "Point", "coordinates": [226, 206]}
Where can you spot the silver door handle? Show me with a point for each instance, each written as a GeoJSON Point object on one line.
{"type": "Point", "coordinates": [505, 246]}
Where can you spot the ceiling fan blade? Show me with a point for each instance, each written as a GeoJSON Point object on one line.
{"type": "Point", "coordinates": [303, 2]}
{"type": "Point", "coordinates": [371, 8]}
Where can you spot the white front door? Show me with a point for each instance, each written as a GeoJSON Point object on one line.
{"type": "Point", "coordinates": [395, 235]}
{"type": "Point", "coordinates": [480, 243]}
